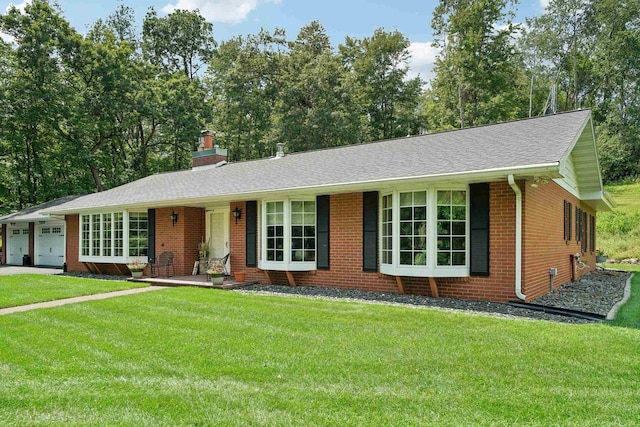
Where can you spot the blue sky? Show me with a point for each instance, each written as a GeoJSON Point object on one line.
{"type": "Point", "coordinates": [357, 18]}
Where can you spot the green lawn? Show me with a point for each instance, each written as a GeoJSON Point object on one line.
{"type": "Point", "coordinates": [619, 231]}
{"type": "Point", "coordinates": [31, 288]}
{"type": "Point", "coordinates": [186, 356]}
{"type": "Point", "coordinates": [629, 314]}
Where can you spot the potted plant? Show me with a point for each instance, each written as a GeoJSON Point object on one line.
{"type": "Point", "coordinates": [136, 267]}
{"type": "Point", "coordinates": [216, 274]}
{"type": "Point", "coordinates": [600, 256]}
{"type": "Point", "coordinates": [239, 276]}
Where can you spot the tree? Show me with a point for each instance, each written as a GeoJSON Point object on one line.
{"type": "Point", "coordinates": [181, 41]}
{"type": "Point", "coordinates": [477, 71]}
{"type": "Point", "coordinates": [315, 108]}
{"type": "Point", "coordinates": [378, 67]}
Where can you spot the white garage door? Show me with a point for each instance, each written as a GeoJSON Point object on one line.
{"type": "Point", "coordinates": [49, 245]}
{"type": "Point", "coordinates": [18, 242]}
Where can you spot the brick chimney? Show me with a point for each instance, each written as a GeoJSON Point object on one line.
{"type": "Point", "coordinates": [208, 154]}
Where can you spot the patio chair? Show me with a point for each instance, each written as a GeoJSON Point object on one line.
{"type": "Point", "coordinates": [165, 260]}
{"type": "Point", "coordinates": [213, 263]}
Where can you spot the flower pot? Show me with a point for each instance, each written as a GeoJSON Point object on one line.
{"type": "Point", "coordinates": [136, 274]}
{"type": "Point", "coordinates": [601, 258]}
{"type": "Point", "coordinates": [217, 280]}
{"type": "Point", "coordinates": [240, 276]}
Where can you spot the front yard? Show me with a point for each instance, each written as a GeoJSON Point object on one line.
{"type": "Point", "coordinates": [187, 356]}
{"type": "Point", "coordinates": [31, 288]}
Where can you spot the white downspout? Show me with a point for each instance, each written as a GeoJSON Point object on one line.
{"type": "Point", "coordinates": [516, 189]}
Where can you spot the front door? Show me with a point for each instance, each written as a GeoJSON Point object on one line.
{"type": "Point", "coordinates": [219, 233]}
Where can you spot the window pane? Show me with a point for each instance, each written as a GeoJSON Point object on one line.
{"type": "Point", "coordinates": [420, 213]}
{"type": "Point", "coordinates": [420, 198]}
{"type": "Point", "coordinates": [444, 198]}
{"type": "Point", "coordinates": [444, 212]}
{"type": "Point", "coordinates": [406, 228]}
{"type": "Point", "coordinates": [420, 258]}
{"type": "Point", "coordinates": [296, 231]}
{"type": "Point", "coordinates": [406, 258]}
{"type": "Point", "coordinates": [459, 198]}
{"type": "Point", "coordinates": [387, 229]}
{"type": "Point", "coordinates": [459, 258]}
{"type": "Point", "coordinates": [452, 222]}
{"type": "Point", "coordinates": [406, 199]}
{"type": "Point", "coordinates": [406, 214]}
{"type": "Point", "coordinates": [296, 206]}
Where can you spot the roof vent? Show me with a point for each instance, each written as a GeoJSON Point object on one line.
{"type": "Point", "coordinates": [280, 152]}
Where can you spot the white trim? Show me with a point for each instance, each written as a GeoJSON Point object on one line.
{"type": "Point", "coordinates": [431, 269]}
{"type": "Point", "coordinates": [518, 284]}
{"type": "Point", "coordinates": [287, 264]}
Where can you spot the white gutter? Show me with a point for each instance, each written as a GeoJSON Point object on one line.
{"type": "Point", "coordinates": [516, 190]}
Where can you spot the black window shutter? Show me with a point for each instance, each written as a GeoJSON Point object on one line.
{"type": "Point", "coordinates": [370, 231]}
{"type": "Point", "coordinates": [322, 222]}
{"type": "Point", "coordinates": [151, 234]}
{"type": "Point", "coordinates": [251, 214]}
{"type": "Point", "coordinates": [479, 225]}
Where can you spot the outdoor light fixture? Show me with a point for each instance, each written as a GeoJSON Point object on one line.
{"type": "Point", "coordinates": [174, 218]}
{"type": "Point", "coordinates": [237, 213]}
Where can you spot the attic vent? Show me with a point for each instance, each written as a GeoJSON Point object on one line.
{"type": "Point", "coordinates": [280, 152]}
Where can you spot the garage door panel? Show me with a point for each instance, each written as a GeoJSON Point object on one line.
{"type": "Point", "coordinates": [18, 242]}
{"type": "Point", "coordinates": [50, 245]}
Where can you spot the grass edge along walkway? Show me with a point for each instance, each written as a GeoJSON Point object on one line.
{"type": "Point", "coordinates": [628, 313]}
{"type": "Point", "coordinates": [73, 300]}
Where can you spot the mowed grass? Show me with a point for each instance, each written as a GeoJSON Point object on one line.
{"type": "Point", "coordinates": [629, 313]}
{"type": "Point", "coordinates": [619, 231]}
{"type": "Point", "coordinates": [186, 356]}
{"type": "Point", "coordinates": [24, 289]}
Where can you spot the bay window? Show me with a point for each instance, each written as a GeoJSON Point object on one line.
{"type": "Point", "coordinates": [102, 236]}
{"type": "Point", "coordinates": [289, 235]}
{"type": "Point", "coordinates": [425, 232]}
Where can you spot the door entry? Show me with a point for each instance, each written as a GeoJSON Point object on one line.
{"type": "Point", "coordinates": [219, 234]}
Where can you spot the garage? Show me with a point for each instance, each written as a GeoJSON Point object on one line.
{"type": "Point", "coordinates": [50, 244]}
{"type": "Point", "coordinates": [17, 243]}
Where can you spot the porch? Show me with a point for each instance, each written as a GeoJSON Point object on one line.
{"type": "Point", "coordinates": [197, 280]}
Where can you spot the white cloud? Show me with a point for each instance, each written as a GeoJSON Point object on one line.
{"type": "Point", "coordinates": [19, 6]}
{"type": "Point", "coordinates": [227, 11]}
{"type": "Point", "coordinates": [423, 56]}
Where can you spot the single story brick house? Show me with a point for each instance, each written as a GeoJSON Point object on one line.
{"type": "Point", "coordinates": [33, 238]}
{"type": "Point", "coordinates": [487, 213]}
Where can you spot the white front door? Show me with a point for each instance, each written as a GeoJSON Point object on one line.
{"type": "Point", "coordinates": [50, 244]}
{"type": "Point", "coordinates": [18, 242]}
{"type": "Point", "coordinates": [219, 233]}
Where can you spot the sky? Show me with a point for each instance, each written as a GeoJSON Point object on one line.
{"type": "Point", "coordinates": [340, 18]}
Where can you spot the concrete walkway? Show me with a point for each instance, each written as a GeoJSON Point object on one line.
{"type": "Point", "coordinates": [57, 303]}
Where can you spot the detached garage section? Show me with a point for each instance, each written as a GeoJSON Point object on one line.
{"type": "Point", "coordinates": [32, 238]}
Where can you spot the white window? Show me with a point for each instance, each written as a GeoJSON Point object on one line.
{"type": "Point", "coordinates": [424, 232]}
{"type": "Point", "coordinates": [288, 235]}
{"type": "Point", "coordinates": [138, 236]}
{"type": "Point", "coordinates": [102, 236]}
{"type": "Point", "coordinates": [387, 229]}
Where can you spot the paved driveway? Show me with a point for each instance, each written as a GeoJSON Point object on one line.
{"type": "Point", "coordinates": [9, 270]}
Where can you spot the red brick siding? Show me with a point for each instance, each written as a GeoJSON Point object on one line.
{"type": "Point", "coordinates": [73, 244]}
{"type": "Point", "coordinates": [544, 246]}
{"type": "Point", "coordinates": [182, 238]}
{"type": "Point", "coordinates": [32, 243]}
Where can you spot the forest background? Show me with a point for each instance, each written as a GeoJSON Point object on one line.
{"type": "Point", "coordinates": [86, 112]}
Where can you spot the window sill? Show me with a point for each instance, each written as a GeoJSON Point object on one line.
{"type": "Point", "coordinates": [411, 271]}
{"type": "Point", "coordinates": [284, 266]}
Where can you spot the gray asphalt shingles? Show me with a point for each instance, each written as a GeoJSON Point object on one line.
{"type": "Point", "coordinates": [527, 142]}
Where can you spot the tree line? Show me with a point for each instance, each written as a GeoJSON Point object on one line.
{"type": "Point", "coordinates": [87, 112]}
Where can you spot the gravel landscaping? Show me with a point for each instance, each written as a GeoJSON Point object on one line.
{"type": "Point", "coordinates": [596, 292]}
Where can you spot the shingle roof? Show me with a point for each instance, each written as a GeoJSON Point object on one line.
{"type": "Point", "coordinates": [523, 143]}
{"type": "Point", "coordinates": [35, 213]}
